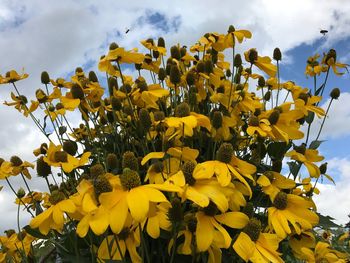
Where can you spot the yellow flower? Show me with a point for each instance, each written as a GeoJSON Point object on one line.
{"type": "Point", "coordinates": [12, 76]}
{"type": "Point", "coordinates": [57, 158]}
{"type": "Point", "coordinates": [130, 197]}
{"type": "Point", "coordinates": [263, 63]}
{"type": "Point", "coordinates": [307, 157]}
{"type": "Point", "coordinates": [330, 59]}
{"type": "Point", "coordinates": [323, 253]}
{"type": "Point", "coordinates": [53, 218]}
{"type": "Point", "coordinates": [306, 103]}
{"type": "Point", "coordinates": [272, 182]}
{"type": "Point", "coordinates": [147, 95]}
{"type": "Point", "coordinates": [119, 54]}
{"type": "Point", "coordinates": [20, 103]}
{"type": "Point", "coordinates": [258, 126]}
{"type": "Point", "coordinates": [304, 240]}
{"type": "Point", "coordinates": [293, 209]}
{"type": "Point", "coordinates": [209, 225]}
{"type": "Point", "coordinates": [252, 245]}
{"type": "Point", "coordinates": [313, 67]}
{"type": "Point", "coordinates": [233, 35]}
{"type": "Point", "coordinates": [157, 219]}
{"type": "Point", "coordinates": [127, 239]}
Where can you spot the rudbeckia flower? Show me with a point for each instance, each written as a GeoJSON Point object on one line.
{"type": "Point", "coordinates": [223, 168]}
{"type": "Point", "coordinates": [208, 222]}
{"type": "Point", "coordinates": [157, 219]}
{"type": "Point", "coordinates": [272, 183]}
{"type": "Point", "coordinates": [58, 158]}
{"type": "Point", "coordinates": [293, 209]}
{"type": "Point", "coordinates": [114, 247]}
{"type": "Point", "coordinates": [53, 217]}
{"type": "Point", "coordinates": [306, 103]}
{"type": "Point", "coordinates": [12, 76]}
{"type": "Point", "coordinates": [304, 240]}
{"type": "Point", "coordinates": [263, 63]}
{"type": "Point", "coordinates": [252, 245]}
{"type": "Point", "coordinates": [323, 253]}
{"type": "Point", "coordinates": [330, 59]}
{"type": "Point", "coordinates": [119, 54]}
{"type": "Point", "coordinates": [307, 157]}
{"type": "Point", "coordinates": [233, 35]}
{"type": "Point", "coordinates": [200, 191]}
{"type": "Point", "coordinates": [130, 197]}
{"type": "Point", "coordinates": [20, 103]}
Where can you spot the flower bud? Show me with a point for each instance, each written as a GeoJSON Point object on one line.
{"type": "Point", "coordinates": [175, 52]}
{"type": "Point", "coordinates": [45, 78]}
{"type": "Point", "coordinates": [161, 42]}
{"type": "Point", "coordinates": [237, 60]}
{"type": "Point", "coordinates": [277, 55]}
{"type": "Point", "coordinates": [175, 75]}
{"type": "Point", "coordinates": [261, 82]}
{"type": "Point", "coordinates": [252, 55]}
{"type": "Point", "coordinates": [130, 161]}
{"type": "Point", "coordinates": [77, 92]}
{"type": "Point", "coordinates": [113, 46]}
{"type": "Point", "coordinates": [323, 168]}
{"type": "Point", "coordinates": [42, 168]}
{"type": "Point", "coordinates": [161, 74]}
{"type": "Point", "coordinates": [93, 76]}
{"type": "Point", "coordinates": [335, 93]}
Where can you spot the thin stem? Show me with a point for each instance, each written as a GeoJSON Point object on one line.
{"type": "Point", "coordinates": [278, 83]}
{"type": "Point", "coordinates": [324, 119]}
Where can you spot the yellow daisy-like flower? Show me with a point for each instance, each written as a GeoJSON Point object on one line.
{"type": "Point", "coordinates": [304, 240]}
{"type": "Point", "coordinates": [129, 196]}
{"type": "Point", "coordinates": [323, 253]}
{"type": "Point", "coordinates": [12, 76]}
{"type": "Point", "coordinates": [252, 245]}
{"type": "Point", "coordinates": [58, 158]}
{"type": "Point", "coordinates": [307, 157]}
{"type": "Point", "coordinates": [263, 63]}
{"type": "Point", "coordinates": [114, 247]}
{"type": "Point", "coordinates": [157, 219]}
{"type": "Point", "coordinates": [119, 54]}
{"type": "Point", "coordinates": [226, 168]}
{"type": "Point", "coordinates": [208, 222]}
{"type": "Point", "coordinates": [293, 209]}
{"type": "Point", "coordinates": [272, 183]}
{"type": "Point", "coordinates": [53, 218]}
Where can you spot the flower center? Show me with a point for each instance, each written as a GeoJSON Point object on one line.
{"type": "Point", "coordinates": [60, 156]}
{"type": "Point", "coordinates": [280, 201]}
{"type": "Point", "coordinates": [211, 209]}
{"type": "Point", "coordinates": [273, 118]}
{"type": "Point", "coordinates": [182, 110]}
{"type": "Point", "coordinates": [129, 179]}
{"type": "Point", "coordinates": [188, 169]}
{"type": "Point", "coordinates": [56, 197]}
{"type": "Point", "coordinates": [254, 121]}
{"type": "Point", "coordinates": [253, 229]}
{"type": "Point", "coordinates": [217, 119]}
{"type": "Point", "coordinates": [225, 153]}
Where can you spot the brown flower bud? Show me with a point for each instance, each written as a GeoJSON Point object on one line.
{"type": "Point", "coordinates": [175, 75]}
{"type": "Point", "coordinates": [277, 55]}
{"type": "Point", "coordinates": [335, 93]}
{"type": "Point", "coordinates": [45, 78]}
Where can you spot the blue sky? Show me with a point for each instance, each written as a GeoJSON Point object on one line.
{"type": "Point", "coordinates": [61, 35]}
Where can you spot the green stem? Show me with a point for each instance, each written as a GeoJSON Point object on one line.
{"type": "Point", "coordinates": [324, 119]}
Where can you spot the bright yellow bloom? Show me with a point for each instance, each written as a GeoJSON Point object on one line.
{"type": "Point", "coordinates": [304, 240]}
{"type": "Point", "coordinates": [293, 209]}
{"type": "Point", "coordinates": [58, 158]}
{"type": "Point", "coordinates": [53, 218]}
{"type": "Point", "coordinates": [128, 239]}
{"type": "Point", "coordinates": [12, 76]}
{"type": "Point", "coordinates": [263, 63]}
{"type": "Point", "coordinates": [307, 157]}
{"type": "Point", "coordinates": [20, 103]}
{"type": "Point", "coordinates": [323, 253]}
{"type": "Point", "coordinates": [119, 54]}
{"type": "Point", "coordinates": [272, 183]}
{"type": "Point", "coordinates": [157, 219]}
{"type": "Point", "coordinates": [129, 197]}
{"type": "Point", "coordinates": [263, 250]}
{"type": "Point", "coordinates": [209, 225]}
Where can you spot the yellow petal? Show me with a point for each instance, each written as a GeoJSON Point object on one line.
{"type": "Point", "coordinates": [233, 219]}
{"type": "Point", "coordinates": [204, 232]}
{"type": "Point", "coordinates": [244, 246]}
{"type": "Point", "coordinates": [152, 155]}
{"type": "Point", "coordinates": [138, 204]}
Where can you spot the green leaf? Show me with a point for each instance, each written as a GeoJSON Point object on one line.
{"type": "Point", "coordinates": [294, 168]}
{"type": "Point", "coordinates": [326, 221]}
{"type": "Point", "coordinates": [310, 117]}
{"type": "Point", "coordinates": [315, 144]}
{"type": "Point", "coordinates": [34, 232]}
{"type": "Point", "coordinates": [276, 150]}
{"type": "Point", "coordinates": [319, 89]}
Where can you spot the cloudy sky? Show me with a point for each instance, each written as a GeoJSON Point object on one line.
{"type": "Point", "coordinates": [58, 36]}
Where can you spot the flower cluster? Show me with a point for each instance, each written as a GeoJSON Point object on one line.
{"type": "Point", "coordinates": [182, 162]}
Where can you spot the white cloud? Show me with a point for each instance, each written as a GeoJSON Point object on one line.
{"type": "Point", "coordinates": [334, 200]}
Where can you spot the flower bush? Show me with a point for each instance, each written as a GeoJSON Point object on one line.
{"type": "Point", "coordinates": [193, 159]}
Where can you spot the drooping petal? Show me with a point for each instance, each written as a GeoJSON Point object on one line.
{"type": "Point", "coordinates": [138, 203]}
